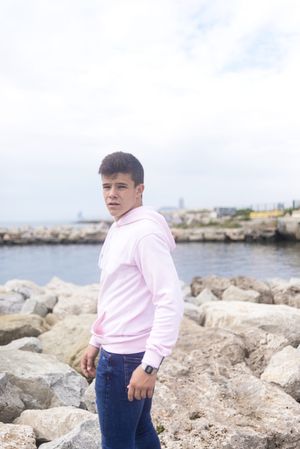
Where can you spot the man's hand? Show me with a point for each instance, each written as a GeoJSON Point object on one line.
{"type": "Point", "coordinates": [87, 363]}
{"type": "Point", "coordinates": [141, 384]}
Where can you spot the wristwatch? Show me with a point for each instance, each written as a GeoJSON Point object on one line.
{"type": "Point", "coordinates": [149, 369]}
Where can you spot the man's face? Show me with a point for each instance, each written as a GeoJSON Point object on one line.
{"type": "Point", "coordinates": [120, 194]}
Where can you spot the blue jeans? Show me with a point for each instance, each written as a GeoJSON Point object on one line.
{"type": "Point", "coordinates": [123, 424]}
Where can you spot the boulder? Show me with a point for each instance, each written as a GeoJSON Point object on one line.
{"type": "Point", "coordinates": [85, 436]}
{"type": "Point", "coordinates": [284, 370]}
{"type": "Point", "coordinates": [207, 397]}
{"type": "Point", "coordinates": [275, 319]}
{"type": "Point", "coordinates": [89, 398]}
{"type": "Point", "coordinates": [31, 344]}
{"type": "Point", "coordinates": [13, 327]}
{"type": "Point", "coordinates": [215, 284]}
{"type": "Point", "coordinates": [24, 287]}
{"type": "Point", "coordinates": [16, 437]}
{"type": "Point", "coordinates": [75, 305]}
{"type": "Point", "coordinates": [260, 347]}
{"type": "Point", "coordinates": [193, 312]}
{"type": "Point", "coordinates": [74, 333]}
{"type": "Point", "coordinates": [32, 306]}
{"type": "Point", "coordinates": [233, 293]}
{"type": "Point", "coordinates": [10, 403]}
{"type": "Point", "coordinates": [205, 296]}
{"type": "Point", "coordinates": [248, 283]}
{"type": "Point", "coordinates": [43, 380]}
{"type": "Point", "coordinates": [48, 300]}
{"type": "Point", "coordinates": [54, 422]}
{"type": "Point", "coordinates": [10, 302]}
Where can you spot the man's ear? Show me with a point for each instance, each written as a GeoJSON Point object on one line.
{"type": "Point", "coordinates": [140, 188]}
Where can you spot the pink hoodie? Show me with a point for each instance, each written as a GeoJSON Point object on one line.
{"type": "Point", "coordinates": [140, 303]}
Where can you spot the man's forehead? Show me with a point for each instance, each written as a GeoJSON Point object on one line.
{"type": "Point", "coordinates": [117, 177]}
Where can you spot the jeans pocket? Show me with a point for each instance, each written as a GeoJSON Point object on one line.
{"type": "Point", "coordinates": [131, 362]}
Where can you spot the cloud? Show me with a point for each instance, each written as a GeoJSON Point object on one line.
{"type": "Point", "coordinates": [203, 92]}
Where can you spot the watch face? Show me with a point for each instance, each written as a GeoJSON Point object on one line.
{"type": "Point", "coordinates": [148, 369]}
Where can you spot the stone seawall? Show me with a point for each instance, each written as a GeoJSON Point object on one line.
{"type": "Point", "coordinates": [252, 231]}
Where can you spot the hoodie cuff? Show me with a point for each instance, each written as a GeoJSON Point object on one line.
{"type": "Point", "coordinates": [152, 358]}
{"type": "Point", "coordinates": [94, 341]}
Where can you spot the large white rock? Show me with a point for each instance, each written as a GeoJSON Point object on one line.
{"type": "Point", "coordinates": [284, 370]}
{"type": "Point", "coordinates": [16, 437]}
{"type": "Point", "coordinates": [32, 344]}
{"type": "Point", "coordinates": [233, 293]}
{"type": "Point", "coordinates": [32, 306]}
{"type": "Point", "coordinates": [193, 312]}
{"type": "Point", "coordinates": [26, 288]}
{"type": "Point", "coordinates": [74, 332]}
{"type": "Point", "coordinates": [13, 327]}
{"type": "Point", "coordinates": [205, 296]}
{"type": "Point", "coordinates": [10, 302]}
{"type": "Point", "coordinates": [85, 436]}
{"type": "Point", "coordinates": [54, 422]}
{"type": "Point", "coordinates": [76, 304]}
{"type": "Point", "coordinates": [89, 398]}
{"type": "Point", "coordinates": [10, 403]}
{"type": "Point", "coordinates": [277, 319]}
{"type": "Point", "coordinates": [206, 397]}
{"type": "Point", "coordinates": [45, 382]}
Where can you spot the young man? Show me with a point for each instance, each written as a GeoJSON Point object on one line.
{"type": "Point", "coordinates": [139, 309]}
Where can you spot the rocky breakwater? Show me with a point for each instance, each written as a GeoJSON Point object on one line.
{"type": "Point", "coordinates": [63, 234]}
{"type": "Point", "coordinates": [232, 382]}
{"type": "Point", "coordinates": [249, 231]}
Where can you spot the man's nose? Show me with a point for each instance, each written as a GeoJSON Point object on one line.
{"type": "Point", "coordinates": [113, 192]}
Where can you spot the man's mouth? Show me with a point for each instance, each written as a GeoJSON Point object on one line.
{"type": "Point", "coordinates": [113, 204]}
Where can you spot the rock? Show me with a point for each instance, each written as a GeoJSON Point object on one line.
{"type": "Point", "coordinates": [193, 312]}
{"type": "Point", "coordinates": [32, 306]}
{"type": "Point", "coordinates": [25, 288]}
{"type": "Point", "coordinates": [85, 436]}
{"type": "Point", "coordinates": [205, 296]}
{"type": "Point", "coordinates": [48, 300]}
{"type": "Point", "coordinates": [215, 284]}
{"type": "Point", "coordinates": [10, 403]}
{"type": "Point", "coordinates": [10, 302]}
{"type": "Point", "coordinates": [74, 332]}
{"type": "Point", "coordinates": [89, 398]}
{"type": "Point", "coordinates": [275, 319]}
{"type": "Point", "coordinates": [16, 437]}
{"type": "Point", "coordinates": [13, 327]}
{"type": "Point", "coordinates": [216, 402]}
{"type": "Point", "coordinates": [260, 347]}
{"type": "Point", "coordinates": [54, 422]}
{"type": "Point", "coordinates": [31, 344]}
{"type": "Point", "coordinates": [289, 296]}
{"type": "Point", "coordinates": [247, 283]}
{"type": "Point", "coordinates": [75, 305]}
{"type": "Point", "coordinates": [51, 319]}
{"type": "Point", "coordinates": [233, 293]}
{"type": "Point", "coordinates": [284, 370]}
{"type": "Point", "coordinates": [45, 382]}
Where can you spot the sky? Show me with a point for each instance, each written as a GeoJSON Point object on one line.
{"type": "Point", "coordinates": [205, 93]}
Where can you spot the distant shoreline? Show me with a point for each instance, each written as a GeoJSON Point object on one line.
{"type": "Point", "coordinates": [254, 231]}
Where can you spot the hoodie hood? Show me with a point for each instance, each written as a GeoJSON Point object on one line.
{"type": "Point", "coordinates": [146, 213]}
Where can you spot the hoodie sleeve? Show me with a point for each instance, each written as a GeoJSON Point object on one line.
{"type": "Point", "coordinates": [156, 265]}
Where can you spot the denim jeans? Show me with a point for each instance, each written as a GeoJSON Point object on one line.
{"type": "Point", "coordinates": [123, 424]}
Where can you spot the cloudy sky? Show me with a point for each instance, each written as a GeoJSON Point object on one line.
{"type": "Point", "coordinates": [204, 92]}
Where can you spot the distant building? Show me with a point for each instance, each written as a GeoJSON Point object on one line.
{"type": "Point", "coordinates": [181, 203]}
{"type": "Point", "coordinates": [225, 211]}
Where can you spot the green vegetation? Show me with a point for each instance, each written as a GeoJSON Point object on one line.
{"type": "Point", "coordinates": [160, 428]}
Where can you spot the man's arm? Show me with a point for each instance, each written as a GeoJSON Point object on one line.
{"type": "Point", "coordinates": [156, 265]}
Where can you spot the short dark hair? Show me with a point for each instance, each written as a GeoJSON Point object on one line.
{"type": "Point", "coordinates": [120, 162]}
